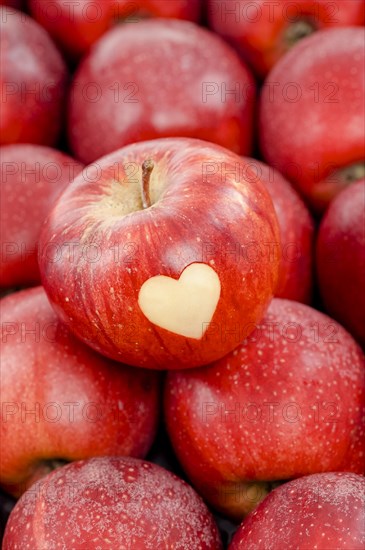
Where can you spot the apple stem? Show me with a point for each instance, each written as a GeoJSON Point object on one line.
{"type": "Point", "coordinates": [147, 168]}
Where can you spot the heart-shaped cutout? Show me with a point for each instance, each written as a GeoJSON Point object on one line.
{"type": "Point", "coordinates": [185, 306]}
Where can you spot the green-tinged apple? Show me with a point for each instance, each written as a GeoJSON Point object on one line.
{"type": "Point", "coordinates": [311, 125]}
{"type": "Point", "coordinates": [111, 502]}
{"type": "Point", "coordinates": [32, 178]}
{"type": "Point", "coordinates": [341, 259]}
{"type": "Point", "coordinates": [158, 253]}
{"type": "Point", "coordinates": [321, 511]}
{"type": "Point", "coordinates": [61, 401]}
{"type": "Point", "coordinates": [33, 79]}
{"type": "Point", "coordinates": [77, 24]}
{"type": "Point", "coordinates": [160, 78]}
{"type": "Point", "coordinates": [287, 402]}
{"type": "Point", "coordinates": [296, 232]}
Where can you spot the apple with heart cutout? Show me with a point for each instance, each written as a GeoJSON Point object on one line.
{"type": "Point", "coordinates": [76, 26]}
{"type": "Point", "coordinates": [33, 79]}
{"type": "Point", "coordinates": [160, 78]}
{"type": "Point", "coordinates": [340, 254]}
{"type": "Point", "coordinates": [320, 511]}
{"type": "Point", "coordinates": [32, 179]}
{"type": "Point", "coordinates": [288, 402]}
{"type": "Point", "coordinates": [61, 401]}
{"type": "Point", "coordinates": [263, 31]}
{"type": "Point", "coordinates": [111, 502]}
{"type": "Point", "coordinates": [160, 254]}
{"type": "Point", "coordinates": [312, 112]}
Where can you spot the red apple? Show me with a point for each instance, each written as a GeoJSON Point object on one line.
{"type": "Point", "coordinates": [159, 79]}
{"type": "Point", "coordinates": [157, 253]}
{"type": "Point", "coordinates": [32, 179]}
{"type": "Point", "coordinates": [320, 511]}
{"type": "Point", "coordinates": [288, 402]}
{"type": "Point", "coordinates": [262, 30]}
{"type": "Point", "coordinates": [111, 502]}
{"type": "Point", "coordinates": [341, 259]}
{"type": "Point", "coordinates": [76, 24]}
{"type": "Point", "coordinates": [18, 4]}
{"type": "Point", "coordinates": [60, 400]}
{"type": "Point", "coordinates": [33, 82]}
{"type": "Point", "coordinates": [297, 233]}
{"type": "Point", "coordinates": [312, 114]}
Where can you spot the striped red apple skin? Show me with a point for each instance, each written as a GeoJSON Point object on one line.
{"type": "Point", "coordinates": [99, 246]}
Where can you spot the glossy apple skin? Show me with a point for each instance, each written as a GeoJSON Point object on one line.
{"type": "Point", "coordinates": [319, 511]}
{"type": "Point", "coordinates": [312, 139]}
{"type": "Point", "coordinates": [296, 355]}
{"type": "Point", "coordinates": [260, 30]}
{"type": "Point", "coordinates": [221, 220]}
{"type": "Point", "coordinates": [340, 260]}
{"type": "Point", "coordinates": [160, 79]}
{"type": "Point", "coordinates": [115, 407]}
{"type": "Point", "coordinates": [76, 25]}
{"type": "Point", "coordinates": [32, 179]}
{"type": "Point", "coordinates": [297, 235]}
{"type": "Point", "coordinates": [33, 78]}
{"type": "Point", "coordinates": [127, 502]}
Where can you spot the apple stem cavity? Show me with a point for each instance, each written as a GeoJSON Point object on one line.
{"type": "Point", "coordinates": [147, 167]}
{"type": "Point", "coordinates": [353, 173]}
{"type": "Point", "coordinates": [298, 30]}
{"type": "Point", "coordinates": [52, 464]}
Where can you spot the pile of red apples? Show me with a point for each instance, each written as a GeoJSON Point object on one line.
{"type": "Point", "coordinates": [182, 274]}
